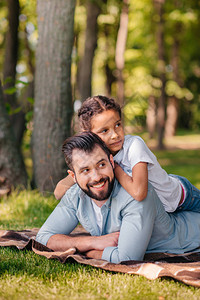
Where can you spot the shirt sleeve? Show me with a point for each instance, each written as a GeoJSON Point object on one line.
{"type": "Point", "coordinates": [139, 152]}
{"type": "Point", "coordinates": [62, 220]}
{"type": "Point", "coordinates": [135, 232]}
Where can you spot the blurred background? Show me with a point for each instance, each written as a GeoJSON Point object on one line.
{"type": "Point", "coordinates": [56, 53]}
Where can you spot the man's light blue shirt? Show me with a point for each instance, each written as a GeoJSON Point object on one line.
{"type": "Point", "coordinates": [144, 226]}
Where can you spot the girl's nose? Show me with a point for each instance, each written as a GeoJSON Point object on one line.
{"type": "Point", "coordinates": [114, 135]}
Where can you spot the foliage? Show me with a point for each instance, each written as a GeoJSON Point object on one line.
{"type": "Point", "coordinates": [140, 56]}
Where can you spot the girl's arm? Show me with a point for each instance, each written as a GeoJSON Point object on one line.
{"type": "Point", "coordinates": [137, 185]}
{"type": "Point", "coordinates": [62, 186]}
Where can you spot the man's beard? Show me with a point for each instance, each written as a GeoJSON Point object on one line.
{"type": "Point", "coordinates": [102, 195]}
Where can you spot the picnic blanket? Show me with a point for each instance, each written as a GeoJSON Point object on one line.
{"type": "Point", "coordinates": [185, 268]}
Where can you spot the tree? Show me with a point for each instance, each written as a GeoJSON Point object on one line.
{"type": "Point", "coordinates": [53, 100]}
{"type": "Point", "coordinates": [159, 7]}
{"type": "Point", "coordinates": [10, 61]}
{"type": "Point", "coordinates": [12, 170]}
{"type": "Point", "coordinates": [120, 49]}
{"type": "Point", "coordinates": [85, 78]}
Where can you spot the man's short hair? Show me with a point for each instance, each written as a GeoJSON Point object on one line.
{"type": "Point", "coordinates": [93, 106]}
{"type": "Point", "coordinates": [85, 141]}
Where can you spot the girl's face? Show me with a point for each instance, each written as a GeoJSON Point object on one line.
{"type": "Point", "coordinates": [108, 126]}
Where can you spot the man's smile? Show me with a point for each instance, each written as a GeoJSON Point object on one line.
{"type": "Point", "coordinates": [99, 185]}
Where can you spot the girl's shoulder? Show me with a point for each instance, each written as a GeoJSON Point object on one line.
{"type": "Point", "coordinates": [130, 139]}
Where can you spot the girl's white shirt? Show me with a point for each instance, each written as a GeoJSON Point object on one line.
{"type": "Point", "coordinates": [167, 187]}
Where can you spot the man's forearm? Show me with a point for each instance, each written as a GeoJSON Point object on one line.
{"type": "Point", "coordinates": [61, 242]}
{"type": "Point", "coordinates": [97, 254]}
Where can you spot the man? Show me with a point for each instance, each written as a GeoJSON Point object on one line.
{"type": "Point", "coordinates": [121, 228]}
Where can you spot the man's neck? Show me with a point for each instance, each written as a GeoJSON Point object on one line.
{"type": "Point", "coordinates": [99, 203]}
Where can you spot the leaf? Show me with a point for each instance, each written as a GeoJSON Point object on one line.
{"type": "Point", "coordinates": [21, 81]}
{"type": "Point", "coordinates": [15, 111]}
{"type": "Point", "coordinates": [10, 91]}
{"type": "Point", "coordinates": [8, 107]}
{"type": "Point", "coordinates": [29, 116]}
{"type": "Point", "coordinates": [30, 100]}
{"type": "Point", "coordinates": [7, 80]}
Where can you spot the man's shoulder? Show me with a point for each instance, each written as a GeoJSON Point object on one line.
{"type": "Point", "coordinates": [73, 193]}
{"type": "Point", "coordinates": [121, 195]}
{"type": "Point", "coordinates": [124, 198]}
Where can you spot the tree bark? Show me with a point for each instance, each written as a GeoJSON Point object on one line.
{"type": "Point", "coordinates": [12, 168]}
{"type": "Point", "coordinates": [10, 62]}
{"type": "Point", "coordinates": [85, 79]}
{"type": "Point", "coordinates": [11, 48]}
{"type": "Point", "coordinates": [159, 7]}
{"type": "Point", "coordinates": [53, 96]}
{"type": "Point", "coordinates": [120, 49]}
{"type": "Point", "coordinates": [109, 72]}
{"type": "Point", "coordinates": [173, 102]}
{"type": "Point", "coordinates": [151, 116]}
{"type": "Point", "coordinates": [172, 116]}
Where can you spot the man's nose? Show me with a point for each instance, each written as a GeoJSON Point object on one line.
{"type": "Point", "coordinates": [96, 175]}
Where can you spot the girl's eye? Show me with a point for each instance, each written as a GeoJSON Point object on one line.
{"type": "Point", "coordinates": [118, 124]}
{"type": "Point", "coordinates": [104, 131]}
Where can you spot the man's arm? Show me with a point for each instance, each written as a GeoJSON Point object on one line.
{"type": "Point", "coordinates": [61, 242]}
{"type": "Point", "coordinates": [135, 232]}
{"type": "Point", "coordinates": [55, 232]}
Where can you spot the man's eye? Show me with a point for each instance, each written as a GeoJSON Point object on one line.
{"type": "Point", "coordinates": [102, 165]}
{"type": "Point", "coordinates": [85, 171]}
{"type": "Point", "coordinates": [118, 124]}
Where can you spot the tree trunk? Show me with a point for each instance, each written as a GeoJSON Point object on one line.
{"type": "Point", "coordinates": [120, 49]}
{"type": "Point", "coordinates": [173, 102]}
{"type": "Point", "coordinates": [172, 116]}
{"type": "Point", "coordinates": [159, 7]}
{"type": "Point", "coordinates": [12, 170]}
{"type": "Point", "coordinates": [85, 79]}
{"type": "Point", "coordinates": [53, 100]}
{"type": "Point", "coordinates": [151, 116]}
{"type": "Point", "coordinates": [109, 72]}
{"type": "Point", "coordinates": [11, 48]}
{"type": "Point", "coordinates": [11, 56]}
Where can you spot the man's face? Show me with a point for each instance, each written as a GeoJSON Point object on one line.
{"type": "Point", "coordinates": [93, 173]}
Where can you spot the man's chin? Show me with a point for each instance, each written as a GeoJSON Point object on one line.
{"type": "Point", "coordinates": [101, 195]}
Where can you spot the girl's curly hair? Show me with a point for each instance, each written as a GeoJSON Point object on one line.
{"type": "Point", "coordinates": [93, 106]}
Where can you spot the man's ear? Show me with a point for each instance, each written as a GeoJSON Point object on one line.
{"type": "Point", "coordinates": [71, 173]}
{"type": "Point", "coordinates": [112, 160]}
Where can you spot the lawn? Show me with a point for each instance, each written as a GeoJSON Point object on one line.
{"type": "Point", "coordinates": [25, 275]}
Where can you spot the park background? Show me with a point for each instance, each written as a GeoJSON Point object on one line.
{"type": "Point", "coordinates": [53, 55]}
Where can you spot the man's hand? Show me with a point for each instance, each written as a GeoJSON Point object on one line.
{"type": "Point", "coordinates": [101, 242]}
{"type": "Point", "coordinates": [108, 240]}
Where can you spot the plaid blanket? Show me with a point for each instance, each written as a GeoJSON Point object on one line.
{"type": "Point", "coordinates": [185, 268]}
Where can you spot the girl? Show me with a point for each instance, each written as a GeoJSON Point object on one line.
{"type": "Point", "coordinates": [135, 164]}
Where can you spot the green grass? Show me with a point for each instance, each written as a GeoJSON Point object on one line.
{"type": "Point", "coordinates": [181, 162]}
{"type": "Point", "coordinates": [25, 275]}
